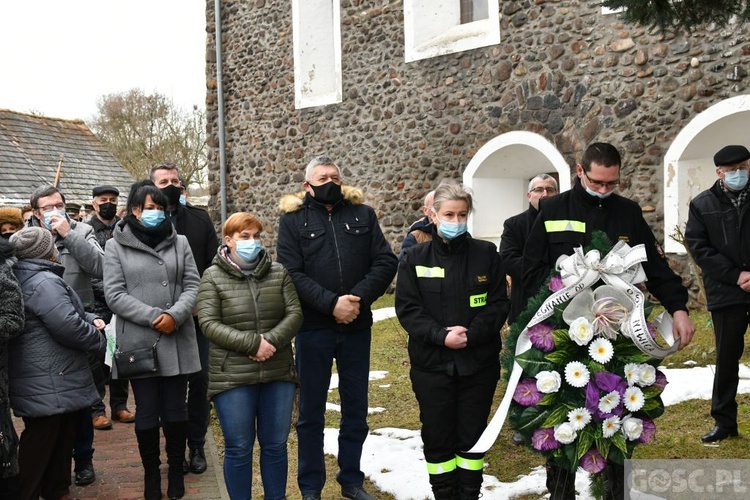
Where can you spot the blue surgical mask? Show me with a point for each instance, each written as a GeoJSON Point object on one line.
{"type": "Point", "coordinates": [183, 200]}
{"type": "Point", "coordinates": [248, 250]}
{"type": "Point", "coordinates": [737, 180]}
{"type": "Point", "coordinates": [152, 218]}
{"type": "Point", "coordinates": [48, 216]}
{"type": "Point", "coordinates": [598, 194]}
{"type": "Point", "coordinates": [451, 230]}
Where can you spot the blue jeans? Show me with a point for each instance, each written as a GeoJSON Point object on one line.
{"type": "Point", "coordinates": [269, 404]}
{"type": "Point", "coordinates": [316, 350]}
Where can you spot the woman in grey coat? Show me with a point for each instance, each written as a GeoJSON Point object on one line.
{"type": "Point", "coordinates": [151, 284]}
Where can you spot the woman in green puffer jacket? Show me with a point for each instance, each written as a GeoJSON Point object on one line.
{"type": "Point", "coordinates": [249, 310]}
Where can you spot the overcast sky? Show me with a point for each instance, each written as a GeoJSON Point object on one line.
{"type": "Point", "coordinates": [57, 58]}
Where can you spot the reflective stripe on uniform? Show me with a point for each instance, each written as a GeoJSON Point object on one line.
{"type": "Point", "coordinates": [558, 226]}
{"type": "Point", "coordinates": [478, 300]}
{"type": "Point", "coordinates": [442, 468]}
{"type": "Point", "coordinates": [430, 272]}
{"type": "Point", "coordinates": [470, 463]}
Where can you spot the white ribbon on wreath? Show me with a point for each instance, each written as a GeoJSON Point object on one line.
{"type": "Point", "coordinates": [620, 268]}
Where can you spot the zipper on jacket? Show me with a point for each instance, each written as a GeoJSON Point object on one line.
{"type": "Point", "coordinates": [62, 372]}
{"type": "Point", "coordinates": [338, 254]}
{"type": "Point", "coordinates": [257, 320]}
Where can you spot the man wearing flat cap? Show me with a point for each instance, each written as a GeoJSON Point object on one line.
{"type": "Point", "coordinates": [718, 236]}
{"type": "Point", "coordinates": [104, 200]}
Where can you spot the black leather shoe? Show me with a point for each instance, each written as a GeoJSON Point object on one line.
{"type": "Point", "coordinates": [718, 434]}
{"type": "Point", "coordinates": [355, 493]}
{"type": "Point", "coordinates": [85, 474]}
{"type": "Point", "coordinates": [198, 463]}
{"type": "Point", "coordinates": [311, 496]}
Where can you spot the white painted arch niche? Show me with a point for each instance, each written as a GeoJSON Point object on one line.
{"type": "Point", "coordinates": [499, 176]}
{"type": "Point", "coordinates": [688, 164]}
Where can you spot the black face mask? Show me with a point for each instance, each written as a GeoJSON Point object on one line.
{"type": "Point", "coordinates": [328, 193]}
{"type": "Point", "coordinates": [6, 236]}
{"type": "Point", "coordinates": [173, 194]}
{"type": "Point", "coordinates": [107, 211]}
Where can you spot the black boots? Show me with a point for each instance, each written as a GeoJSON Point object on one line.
{"type": "Point", "coordinates": [176, 435]}
{"type": "Point", "coordinates": [148, 446]}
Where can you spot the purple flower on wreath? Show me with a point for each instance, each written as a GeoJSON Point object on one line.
{"type": "Point", "coordinates": [661, 380]}
{"type": "Point", "coordinates": [526, 393]}
{"type": "Point", "coordinates": [541, 337]}
{"type": "Point", "coordinates": [592, 398]}
{"type": "Point", "coordinates": [651, 329]}
{"type": "Point", "coordinates": [649, 431]}
{"type": "Point", "coordinates": [593, 461]}
{"type": "Point", "coordinates": [543, 439]}
{"type": "Point", "coordinates": [609, 382]}
{"type": "Point", "coordinates": [556, 283]}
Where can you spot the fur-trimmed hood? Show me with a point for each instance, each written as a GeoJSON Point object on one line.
{"type": "Point", "coordinates": [293, 202]}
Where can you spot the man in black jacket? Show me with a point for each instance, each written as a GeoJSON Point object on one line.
{"type": "Point", "coordinates": [515, 231]}
{"type": "Point", "coordinates": [566, 221]}
{"type": "Point", "coordinates": [332, 245]}
{"type": "Point", "coordinates": [195, 224]}
{"type": "Point", "coordinates": [421, 230]}
{"type": "Point", "coordinates": [104, 200]}
{"type": "Point", "coordinates": [718, 236]}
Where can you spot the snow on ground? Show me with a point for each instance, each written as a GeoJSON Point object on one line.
{"type": "Point", "coordinates": [392, 458]}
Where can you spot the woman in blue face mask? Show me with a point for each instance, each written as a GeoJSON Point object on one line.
{"type": "Point", "coordinates": [451, 298]}
{"type": "Point", "coordinates": [151, 284]}
{"type": "Point", "coordinates": [249, 310]}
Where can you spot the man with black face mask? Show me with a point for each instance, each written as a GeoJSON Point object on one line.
{"type": "Point", "coordinates": [104, 200]}
{"type": "Point", "coordinates": [332, 246]}
{"type": "Point", "coordinates": [195, 224]}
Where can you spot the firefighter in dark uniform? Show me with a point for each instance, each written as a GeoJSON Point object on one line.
{"type": "Point", "coordinates": [451, 298]}
{"type": "Point", "coordinates": [566, 221]}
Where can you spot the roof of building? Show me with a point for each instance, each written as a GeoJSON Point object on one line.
{"type": "Point", "coordinates": [31, 147]}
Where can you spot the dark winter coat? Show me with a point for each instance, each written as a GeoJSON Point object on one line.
{"type": "Point", "coordinates": [419, 232]}
{"type": "Point", "coordinates": [234, 309]}
{"type": "Point", "coordinates": [140, 283]}
{"type": "Point", "coordinates": [49, 372]}
{"type": "Point", "coordinates": [329, 255]}
{"type": "Point", "coordinates": [718, 236]}
{"type": "Point", "coordinates": [515, 233]}
{"type": "Point", "coordinates": [11, 325]}
{"type": "Point", "coordinates": [195, 224]}
{"type": "Point", "coordinates": [103, 233]}
{"type": "Point", "coordinates": [441, 284]}
{"type": "Point", "coordinates": [572, 216]}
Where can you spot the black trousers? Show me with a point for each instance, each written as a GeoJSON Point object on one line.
{"type": "Point", "coordinates": [44, 456]}
{"type": "Point", "coordinates": [118, 389]}
{"type": "Point", "coordinates": [453, 410]}
{"type": "Point", "coordinates": [159, 399]}
{"type": "Point", "coordinates": [730, 325]}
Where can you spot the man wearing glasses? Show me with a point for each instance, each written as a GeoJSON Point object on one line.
{"type": "Point", "coordinates": [717, 233]}
{"type": "Point", "coordinates": [515, 232]}
{"type": "Point", "coordinates": [82, 257]}
{"type": "Point", "coordinates": [565, 222]}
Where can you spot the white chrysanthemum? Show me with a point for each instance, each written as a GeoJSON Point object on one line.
{"type": "Point", "coordinates": [633, 399]}
{"type": "Point", "coordinates": [576, 374]}
{"type": "Point", "coordinates": [632, 370]}
{"type": "Point", "coordinates": [565, 433]}
{"type": "Point", "coordinates": [632, 427]}
{"type": "Point", "coordinates": [646, 375]}
{"type": "Point", "coordinates": [601, 350]}
{"type": "Point", "coordinates": [579, 418]}
{"type": "Point", "coordinates": [609, 402]}
{"type": "Point", "coordinates": [581, 331]}
{"type": "Point", "coordinates": [610, 426]}
{"type": "Point", "coordinates": [548, 381]}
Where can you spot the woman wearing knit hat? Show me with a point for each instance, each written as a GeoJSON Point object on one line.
{"type": "Point", "coordinates": [10, 221]}
{"type": "Point", "coordinates": [50, 379]}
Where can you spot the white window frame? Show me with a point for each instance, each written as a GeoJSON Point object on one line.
{"type": "Point", "coordinates": [430, 30]}
{"type": "Point", "coordinates": [316, 33]}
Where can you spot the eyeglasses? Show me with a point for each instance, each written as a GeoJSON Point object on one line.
{"type": "Point", "coordinates": [600, 184]}
{"type": "Point", "coordinates": [49, 208]}
{"type": "Point", "coordinates": [550, 190]}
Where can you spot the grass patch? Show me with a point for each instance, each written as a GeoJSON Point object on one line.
{"type": "Point", "coordinates": [678, 431]}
